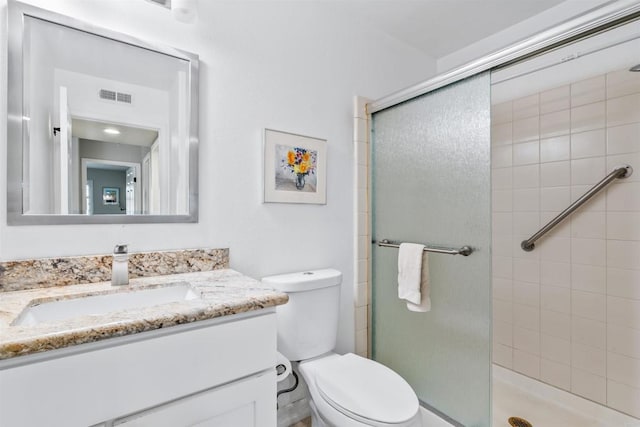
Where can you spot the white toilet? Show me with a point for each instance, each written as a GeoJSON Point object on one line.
{"type": "Point", "coordinates": [346, 390]}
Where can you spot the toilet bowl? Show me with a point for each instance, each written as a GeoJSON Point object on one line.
{"type": "Point", "coordinates": [351, 391]}
{"type": "Point", "coordinates": [346, 390]}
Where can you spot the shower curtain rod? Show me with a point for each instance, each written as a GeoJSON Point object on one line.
{"type": "Point", "coordinates": [464, 251]}
{"type": "Point", "coordinates": [593, 21]}
{"type": "Point", "coordinates": [618, 173]}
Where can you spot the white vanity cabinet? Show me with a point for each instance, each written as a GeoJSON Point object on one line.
{"type": "Point", "coordinates": [239, 404]}
{"type": "Point", "coordinates": [217, 372]}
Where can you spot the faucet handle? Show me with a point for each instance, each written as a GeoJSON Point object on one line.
{"type": "Point", "coordinates": [120, 249]}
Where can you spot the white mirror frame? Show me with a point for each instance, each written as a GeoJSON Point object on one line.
{"type": "Point", "coordinates": [16, 129]}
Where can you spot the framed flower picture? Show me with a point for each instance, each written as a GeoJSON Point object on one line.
{"type": "Point", "coordinates": [294, 168]}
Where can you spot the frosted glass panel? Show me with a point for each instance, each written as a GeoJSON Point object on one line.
{"type": "Point", "coordinates": [431, 184]}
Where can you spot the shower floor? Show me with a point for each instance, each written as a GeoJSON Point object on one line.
{"type": "Point", "coordinates": [516, 395]}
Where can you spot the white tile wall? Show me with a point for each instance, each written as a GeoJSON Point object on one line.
{"type": "Point", "coordinates": [526, 107]}
{"type": "Point", "coordinates": [555, 324]}
{"type": "Point", "coordinates": [588, 91]}
{"type": "Point", "coordinates": [589, 278]}
{"type": "Point", "coordinates": [501, 134]}
{"type": "Point", "coordinates": [526, 153]}
{"type": "Point", "coordinates": [362, 238]}
{"type": "Point", "coordinates": [555, 149]}
{"type": "Point", "coordinates": [503, 354]}
{"type": "Point", "coordinates": [589, 385]}
{"type": "Point", "coordinates": [555, 124]}
{"type": "Point", "coordinates": [588, 144]}
{"type": "Point", "coordinates": [556, 349]}
{"type": "Point", "coordinates": [555, 274]}
{"type": "Point", "coordinates": [568, 313]}
{"type": "Point", "coordinates": [623, 110]}
{"type": "Point", "coordinates": [623, 197]}
{"type": "Point", "coordinates": [622, 139]}
{"type": "Point", "coordinates": [623, 340]}
{"type": "Point", "coordinates": [623, 369]}
{"type": "Point", "coordinates": [588, 359]}
{"type": "Point", "coordinates": [526, 363]}
{"type": "Point", "coordinates": [587, 171]}
{"type": "Point", "coordinates": [525, 129]}
{"type": "Point", "coordinates": [554, 373]}
{"type": "Point", "coordinates": [623, 283]}
{"type": "Point", "coordinates": [589, 225]}
{"type": "Point", "coordinates": [621, 83]}
{"type": "Point", "coordinates": [555, 298]}
{"type": "Point", "coordinates": [555, 100]}
{"type": "Point", "coordinates": [623, 397]}
{"type": "Point", "coordinates": [588, 117]}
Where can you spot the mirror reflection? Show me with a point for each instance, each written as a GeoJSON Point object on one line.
{"type": "Point", "coordinates": [115, 157]}
{"type": "Point", "coordinates": [106, 125]}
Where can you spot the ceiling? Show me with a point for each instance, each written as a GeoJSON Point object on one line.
{"type": "Point", "coordinates": [441, 27]}
{"type": "Point", "coordinates": [94, 130]}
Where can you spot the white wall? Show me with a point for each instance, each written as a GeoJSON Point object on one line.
{"type": "Point", "coordinates": [292, 66]}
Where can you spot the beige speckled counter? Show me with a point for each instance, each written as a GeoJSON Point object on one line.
{"type": "Point", "coordinates": [222, 293]}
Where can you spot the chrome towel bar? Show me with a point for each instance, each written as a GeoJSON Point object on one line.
{"type": "Point", "coordinates": [619, 172]}
{"type": "Point", "coordinates": [464, 251]}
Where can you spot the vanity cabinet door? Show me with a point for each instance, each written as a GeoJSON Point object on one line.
{"type": "Point", "coordinates": [246, 403]}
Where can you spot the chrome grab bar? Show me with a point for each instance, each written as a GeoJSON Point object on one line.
{"type": "Point", "coordinates": [619, 172]}
{"type": "Point", "coordinates": [464, 251]}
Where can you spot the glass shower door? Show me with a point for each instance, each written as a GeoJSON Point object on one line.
{"type": "Point", "coordinates": [431, 185]}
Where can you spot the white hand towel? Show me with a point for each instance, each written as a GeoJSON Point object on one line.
{"type": "Point", "coordinates": [425, 298]}
{"type": "Point", "coordinates": [413, 277]}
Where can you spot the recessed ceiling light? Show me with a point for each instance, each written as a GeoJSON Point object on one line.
{"type": "Point", "coordinates": [111, 131]}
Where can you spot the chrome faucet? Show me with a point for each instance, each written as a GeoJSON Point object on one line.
{"type": "Point", "coordinates": [120, 266]}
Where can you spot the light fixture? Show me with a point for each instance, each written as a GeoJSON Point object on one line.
{"type": "Point", "coordinates": [163, 3]}
{"type": "Point", "coordinates": [111, 131]}
{"type": "Point", "coordinates": [185, 10]}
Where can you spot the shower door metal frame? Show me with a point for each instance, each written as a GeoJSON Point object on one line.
{"type": "Point", "coordinates": [594, 21]}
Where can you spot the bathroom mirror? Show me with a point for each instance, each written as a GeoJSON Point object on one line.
{"type": "Point", "coordinates": [102, 127]}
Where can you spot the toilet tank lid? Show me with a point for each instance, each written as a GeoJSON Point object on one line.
{"type": "Point", "coordinates": [304, 280]}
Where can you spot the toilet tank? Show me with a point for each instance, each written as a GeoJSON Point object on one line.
{"type": "Point", "coordinates": [308, 323]}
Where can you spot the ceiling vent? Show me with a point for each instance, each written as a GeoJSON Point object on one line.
{"type": "Point", "coordinates": [108, 95]}
{"type": "Point", "coordinates": [112, 95]}
{"type": "Point", "coordinates": [123, 97]}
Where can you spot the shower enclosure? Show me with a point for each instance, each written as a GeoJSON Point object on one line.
{"type": "Point", "coordinates": [567, 313]}
{"type": "Point", "coordinates": [431, 184]}
{"type": "Point", "coordinates": [486, 161]}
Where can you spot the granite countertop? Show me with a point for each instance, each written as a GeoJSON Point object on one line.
{"type": "Point", "coordinates": [222, 293]}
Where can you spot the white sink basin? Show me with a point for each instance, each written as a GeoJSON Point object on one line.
{"type": "Point", "coordinates": [103, 304]}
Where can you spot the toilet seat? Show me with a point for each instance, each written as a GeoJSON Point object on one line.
{"type": "Point", "coordinates": [364, 390]}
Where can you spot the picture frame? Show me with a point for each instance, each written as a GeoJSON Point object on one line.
{"type": "Point", "coordinates": [295, 168]}
{"type": "Point", "coordinates": [110, 196]}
